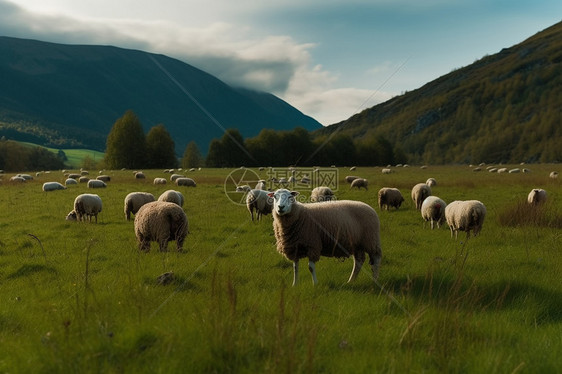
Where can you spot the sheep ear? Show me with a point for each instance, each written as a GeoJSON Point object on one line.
{"type": "Point", "coordinates": [294, 193]}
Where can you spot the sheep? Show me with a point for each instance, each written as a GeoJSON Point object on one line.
{"type": "Point", "coordinates": [333, 229]}
{"type": "Point", "coordinates": [162, 222]}
{"type": "Point", "coordinates": [386, 171]}
{"type": "Point", "coordinates": [134, 201]}
{"type": "Point", "coordinates": [53, 186]}
{"type": "Point", "coordinates": [553, 174]}
{"type": "Point", "coordinates": [83, 179]}
{"type": "Point", "coordinates": [103, 178]}
{"type": "Point", "coordinates": [433, 210]}
{"type": "Point", "coordinates": [431, 182]}
{"type": "Point", "coordinates": [465, 216]}
{"type": "Point", "coordinates": [74, 176]}
{"type": "Point", "coordinates": [172, 196]}
{"type": "Point", "coordinates": [160, 181]}
{"type": "Point", "coordinates": [260, 185]}
{"type": "Point", "coordinates": [94, 183]}
{"type": "Point", "coordinates": [259, 201]}
{"type": "Point", "coordinates": [27, 177]}
{"type": "Point", "coordinates": [84, 172]}
{"type": "Point", "coordinates": [514, 171]}
{"type": "Point", "coordinates": [18, 179]}
{"type": "Point", "coordinates": [70, 181]}
{"type": "Point", "coordinates": [188, 182]}
{"type": "Point", "coordinates": [173, 177]}
{"type": "Point", "coordinates": [536, 196]}
{"type": "Point", "coordinates": [360, 182]}
{"type": "Point", "coordinates": [419, 193]}
{"type": "Point", "coordinates": [245, 188]}
{"type": "Point", "coordinates": [350, 178]}
{"type": "Point", "coordinates": [139, 175]}
{"type": "Point", "coordinates": [85, 206]}
{"type": "Point", "coordinates": [390, 197]}
{"type": "Point", "coordinates": [321, 193]}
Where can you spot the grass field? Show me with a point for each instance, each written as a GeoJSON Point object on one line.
{"type": "Point", "coordinates": [75, 157]}
{"type": "Point", "coordinates": [79, 297]}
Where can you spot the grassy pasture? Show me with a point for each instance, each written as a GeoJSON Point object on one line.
{"type": "Point", "coordinates": [79, 297]}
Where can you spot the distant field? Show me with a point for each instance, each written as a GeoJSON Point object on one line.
{"type": "Point", "coordinates": [79, 297]}
{"type": "Point", "coordinates": [74, 156]}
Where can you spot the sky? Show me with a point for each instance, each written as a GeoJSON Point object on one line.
{"type": "Point", "coordinates": [328, 58]}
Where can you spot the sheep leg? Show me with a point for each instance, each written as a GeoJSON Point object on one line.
{"type": "Point", "coordinates": [375, 261]}
{"type": "Point", "coordinates": [295, 272]}
{"type": "Point", "coordinates": [357, 264]}
{"type": "Point", "coordinates": [312, 269]}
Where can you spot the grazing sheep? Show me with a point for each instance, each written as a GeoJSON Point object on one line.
{"type": "Point", "coordinates": [18, 179]}
{"type": "Point", "coordinates": [83, 179]}
{"type": "Point", "coordinates": [259, 201]}
{"type": "Point", "coordinates": [139, 175]}
{"type": "Point", "coordinates": [514, 171]}
{"type": "Point", "coordinates": [553, 174]}
{"type": "Point", "coordinates": [173, 177]}
{"type": "Point", "coordinates": [321, 193]}
{"type": "Point", "coordinates": [433, 210]}
{"type": "Point", "coordinates": [260, 185]}
{"type": "Point", "coordinates": [360, 182]}
{"type": "Point", "coordinates": [162, 222]}
{"type": "Point", "coordinates": [70, 181]}
{"type": "Point", "coordinates": [134, 201]}
{"type": "Point", "coordinates": [187, 182]}
{"type": "Point", "coordinates": [74, 176]}
{"type": "Point", "coordinates": [350, 178]}
{"type": "Point", "coordinates": [386, 171]}
{"type": "Point", "coordinates": [172, 196]}
{"type": "Point", "coordinates": [502, 170]}
{"type": "Point", "coordinates": [419, 193]}
{"type": "Point", "coordinates": [390, 197]}
{"type": "Point", "coordinates": [94, 183]}
{"type": "Point", "coordinates": [160, 181]}
{"type": "Point", "coordinates": [431, 182]}
{"type": "Point", "coordinates": [244, 188]}
{"type": "Point", "coordinates": [53, 186]}
{"type": "Point", "coordinates": [465, 216]}
{"type": "Point", "coordinates": [86, 205]}
{"type": "Point", "coordinates": [103, 178]}
{"type": "Point", "coordinates": [536, 196]}
{"type": "Point", "coordinates": [27, 177]}
{"type": "Point", "coordinates": [333, 229]}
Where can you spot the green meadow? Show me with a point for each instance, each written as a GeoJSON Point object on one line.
{"type": "Point", "coordinates": [81, 298]}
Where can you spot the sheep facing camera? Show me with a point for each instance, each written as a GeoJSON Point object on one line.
{"type": "Point", "coordinates": [240, 181]}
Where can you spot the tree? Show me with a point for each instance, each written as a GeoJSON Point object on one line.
{"type": "Point", "coordinates": [229, 151]}
{"type": "Point", "coordinates": [160, 148]}
{"type": "Point", "coordinates": [192, 157]}
{"type": "Point", "coordinates": [126, 143]}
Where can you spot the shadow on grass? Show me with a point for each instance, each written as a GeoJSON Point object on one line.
{"type": "Point", "coordinates": [27, 270]}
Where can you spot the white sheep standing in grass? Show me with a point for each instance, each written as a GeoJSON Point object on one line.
{"type": "Point", "coordinates": [161, 222]}
{"type": "Point", "coordinates": [259, 201]}
{"type": "Point", "coordinates": [53, 186]}
{"type": "Point", "coordinates": [70, 181]}
{"type": "Point", "coordinates": [321, 193]}
{"type": "Point", "coordinates": [350, 178]}
{"type": "Point", "coordinates": [419, 193]}
{"type": "Point", "coordinates": [465, 216]}
{"type": "Point", "coordinates": [159, 181]}
{"type": "Point", "coordinates": [172, 196]}
{"type": "Point", "coordinates": [134, 201]}
{"type": "Point", "coordinates": [536, 196]}
{"type": "Point", "coordinates": [433, 210]}
{"type": "Point", "coordinates": [86, 206]}
{"type": "Point", "coordinates": [390, 197]}
{"type": "Point", "coordinates": [431, 182]}
{"type": "Point", "coordinates": [360, 183]}
{"type": "Point", "coordinates": [94, 183]}
{"type": "Point", "coordinates": [186, 182]}
{"type": "Point", "coordinates": [333, 229]}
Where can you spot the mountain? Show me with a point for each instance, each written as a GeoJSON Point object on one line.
{"type": "Point", "coordinates": [504, 107]}
{"type": "Point", "coordinates": [71, 95]}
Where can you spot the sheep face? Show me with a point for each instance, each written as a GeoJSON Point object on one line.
{"type": "Point", "coordinates": [283, 201]}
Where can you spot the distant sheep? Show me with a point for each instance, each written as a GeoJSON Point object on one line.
{"type": "Point", "coordinates": [172, 196]}
{"type": "Point", "coordinates": [465, 216]}
{"type": "Point", "coordinates": [386, 171]}
{"type": "Point", "coordinates": [431, 182]}
{"type": "Point", "coordinates": [134, 201]}
{"type": "Point", "coordinates": [514, 171]}
{"type": "Point", "coordinates": [186, 182]}
{"type": "Point", "coordinates": [321, 193]}
{"type": "Point", "coordinates": [260, 185]}
{"type": "Point", "coordinates": [173, 177]}
{"type": "Point", "coordinates": [553, 174]}
{"type": "Point", "coordinates": [139, 175]}
{"type": "Point", "coordinates": [94, 183]}
{"type": "Point", "coordinates": [103, 178]}
{"type": "Point", "coordinates": [244, 188]}
{"type": "Point", "coordinates": [17, 179]}
{"type": "Point", "coordinates": [419, 193]}
{"type": "Point", "coordinates": [350, 178]}
{"type": "Point", "coordinates": [259, 201]}
{"type": "Point", "coordinates": [390, 197]}
{"type": "Point", "coordinates": [74, 176]}
{"type": "Point", "coordinates": [333, 229]}
{"type": "Point", "coordinates": [536, 196]}
{"type": "Point", "coordinates": [360, 183]}
{"type": "Point", "coordinates": [53, 186]}
{"type": "Point", "coordinates": [70, 181]}
{"type": "Point", "coordinates": [160, 181]}
{"type": "Point", "coordinates": [86, 206]}
{"type": "Point", "coordinates": [161, 222]}
{"type": "Point", "coordinates": [433, 210]}
{"type": "Point", "coordinates": [83, 179]}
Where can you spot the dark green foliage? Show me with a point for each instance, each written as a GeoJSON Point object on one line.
{"type": "Point", "coordinates": [18, 157]}
{"type": "Point", "coordinates": [192, 157]}
{"type": "Point", "coordinates": [229, 151]}
{"type": "Point", "coordinates": [160, 148]}
{"type": "Point", "coordinates": [126, 144]}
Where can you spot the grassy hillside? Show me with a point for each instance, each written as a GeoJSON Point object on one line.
{"type": "Point", "coordinates": [75, 157]}
{"type": "Point", "coordinates": [79, 297]}
{"type": "Point", "coordinates": [502, 108]}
